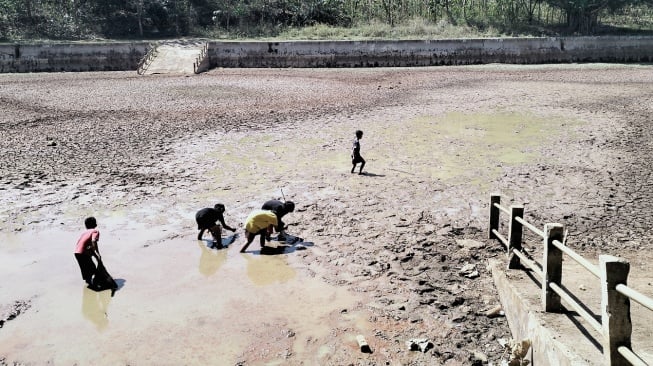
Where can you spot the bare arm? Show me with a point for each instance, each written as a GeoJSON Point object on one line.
{"type": "Point", "coordinates": [95, 251]}
{"type": "Point", "coordinates": [224, 225]}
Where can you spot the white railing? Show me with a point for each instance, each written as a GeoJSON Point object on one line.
{"type": "Point", "coordinates": [615, 326]}
{"type": "Point", "coordinates": [204, 52]}
{"type": "Point", "coordinates": [147, 59]}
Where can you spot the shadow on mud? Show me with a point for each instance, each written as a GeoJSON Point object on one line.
{"type": "Point", "coordinates": [287, 246]}
{"type": "Point", "coordinates": [368, 174]}
{"type": "Point", "coordinates": [225, 242]}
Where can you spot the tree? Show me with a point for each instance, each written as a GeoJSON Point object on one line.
{"type": "Point", "coordinates": [582, 15]}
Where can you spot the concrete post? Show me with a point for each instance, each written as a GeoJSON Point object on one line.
{"type": "Point", "coordinates": [552, 270]}
{"type": "Point", "coordinates": [515, 236]}
{"type": "Point", "coordinates": [494, 215]}
{"type": "Point", "coordinates": [615, 309]}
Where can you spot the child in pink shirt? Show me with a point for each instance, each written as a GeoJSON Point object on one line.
{"type": "Point", "coordinates": [87, 248]}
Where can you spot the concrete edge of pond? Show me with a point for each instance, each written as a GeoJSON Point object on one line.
{"type": "Point", "coordinates": [126, 56]}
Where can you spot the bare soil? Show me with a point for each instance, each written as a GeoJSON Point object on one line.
{"type": "Point", "coordinates": [569, 142]}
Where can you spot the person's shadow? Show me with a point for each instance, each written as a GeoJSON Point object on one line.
{"type": "Point", "coordinates": [289, 245]}
{"type": "Point", "coordinates": [209, 243]}
{"type": "Point", "coordinates": [368, 174]}
{"type": "Point", "coordinates": [212, 258]}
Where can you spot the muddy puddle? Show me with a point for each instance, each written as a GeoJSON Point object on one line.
{"type": "Point", "coordinates": [179, 301]}
{"type": "Point", "coordinates": [474, 147]}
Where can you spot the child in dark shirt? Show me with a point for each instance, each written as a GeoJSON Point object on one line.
{"type": "Point", "coordinates": [356, 153]}
{"type": "Point", "coordinates": [280, 209]}
{"type": "Point", "coordinates": [208, 218]}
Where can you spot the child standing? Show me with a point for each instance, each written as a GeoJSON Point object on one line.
{"type": "Point", "coordinates": [87, 248]}
{"type": "Point", "coordinates": [356, 153]}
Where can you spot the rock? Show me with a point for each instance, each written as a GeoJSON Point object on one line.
{"type": "Point", "coordinates": [518, 352]}
{"type": "Point", "coordinates": [479, 358]}
{"type": "Point", "coordinates": [470, 244]}
{"type": "Point", "coordinates": [458, 317]}
{"type": "Point", "coordinates": [362, 343]}
{"type": "Point", "coordinates": [494, 312]}
{"type": "Point", "coordinates": [467, 269]}
{"type": "Point", "coordinates": [419, 344]}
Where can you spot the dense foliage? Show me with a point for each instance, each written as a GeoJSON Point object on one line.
{"type": "Point", "coordinates": [88, 19]}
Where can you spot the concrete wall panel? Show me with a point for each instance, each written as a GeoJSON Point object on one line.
{"type": "Point", "coordinates": [71, 57]}
{"type": "Point", "coordinates": [126, 55]}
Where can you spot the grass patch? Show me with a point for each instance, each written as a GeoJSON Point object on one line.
{"type": "Point", "coordinates": [416, 28]}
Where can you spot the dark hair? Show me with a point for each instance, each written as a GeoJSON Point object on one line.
{"type": "Point", "coordinates": [219, 206]}
{"type": "Point", "coordinates": [289, 206]}
{"type": "Point", "coordinates": [359, 133]}
{"type": "Point", "coordinates": [90, 222]}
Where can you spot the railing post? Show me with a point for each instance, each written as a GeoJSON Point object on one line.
{"type": "Point", "coordinates": [515, 236]}
{"type": "Point", "coordinates": [494, 215]}
{"type": "Point", "coordinates": [552, 271]}
{"type": "Point", "coordinates": [615, 309]}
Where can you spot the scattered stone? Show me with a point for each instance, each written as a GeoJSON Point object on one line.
{"type": "Point", "coordinates": [470, 244]}
{"type": "Point", "coordinates": [494, 312]}
{"type": "Point", "coordinates": [362, 343]}
{"type": "Point", "coordinates": [419, 344]}
{"type": "Point", "coordinates": [467, 268]}
{"type": "Point", "coordinates": [479, 358]}
{"type": "Point", "coordinates": [518, 352]}
{"type": "Point", "coordinates": [469, 271]}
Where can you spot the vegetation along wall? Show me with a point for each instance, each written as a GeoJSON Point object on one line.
{"type": "Point", "coordinates": [125, 56]}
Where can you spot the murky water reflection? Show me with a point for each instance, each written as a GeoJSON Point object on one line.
{"type": "Point", "coordinates": [179, 301]}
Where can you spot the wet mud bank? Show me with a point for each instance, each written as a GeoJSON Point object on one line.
{"type": "Point", "coordinates": [397, 255]}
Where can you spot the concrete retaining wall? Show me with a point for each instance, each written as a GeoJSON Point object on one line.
{"type": "Point", "coordinates": [430, 52]}
{"type": "Point", "coordinates": [525, 323]}
{"type": "Point", "coordinates": [71, 57]}
{"type": "Point", "coordinates": [125, 56]}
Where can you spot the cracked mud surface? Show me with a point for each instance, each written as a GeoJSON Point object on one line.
{"type": "Point", "coordinates": [569, 142]}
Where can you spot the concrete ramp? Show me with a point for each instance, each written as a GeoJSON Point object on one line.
{"type": "Point", "coordinates": [177, 57]}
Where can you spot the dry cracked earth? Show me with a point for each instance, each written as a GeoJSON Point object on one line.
{"type": "Point", "coordinates": [572, 143]}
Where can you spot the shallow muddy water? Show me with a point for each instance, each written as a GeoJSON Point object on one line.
{"type": "Point", "coordinates": [179, 302]}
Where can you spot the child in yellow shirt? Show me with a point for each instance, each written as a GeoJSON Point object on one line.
{"type": "Point", "coordinates": [259, 222]}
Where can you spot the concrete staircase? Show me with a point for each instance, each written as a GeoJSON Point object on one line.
{"type": "Point", "coordinates": [176, 57]}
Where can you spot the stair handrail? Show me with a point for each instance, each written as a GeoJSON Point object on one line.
{"type": "Point", "coordinates": [200, 58]}
{"type": "Point", "coordinates": [147, 59]}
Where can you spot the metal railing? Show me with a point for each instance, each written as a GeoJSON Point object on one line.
{"type": "Point", "coordinates": [147, 59]}
{"type": "Point", "coordinates": [615, 326]}
{"type": "Point", "coordinates": [204, 52]}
